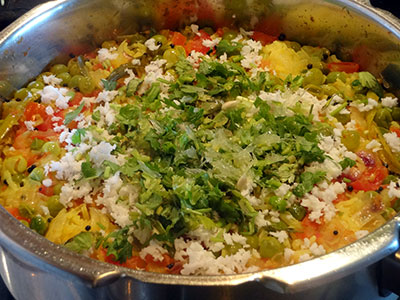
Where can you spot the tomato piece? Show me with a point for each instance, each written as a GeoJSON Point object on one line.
{"type": "Point", "coordinates": [135, 262]}
{"type": "Point", "coordinates": [196, 44]}
{"type": "Point", "coordinates": [347, 67]}
{"type": "Point", "coordinates": [76, 100]}
{"type": "Point", "coordinates": [371, 179]}
{"type": "Point", "coordinates": [22, 141]}
{"type": "Point", "coordinates": [310, 228]}
{"type": "Point", "coordinates": [32, 109]}
{"type": "Point", "coordinates": [263, 38]}
{"type": "Point", "coordinates": [220, 32]}
{"type": "Point", "coordinates": [395, 129]}
{"type": "Point", "coordinates": [48, 191]}
{"type": "Point", "coordinates": [178, 39]}
{"type": "Point", "coordinates": [46, 135]}
{"type": "Point", "coordinates": [14, 211]}
{"type": "Point", "coordinates": [46, 125]}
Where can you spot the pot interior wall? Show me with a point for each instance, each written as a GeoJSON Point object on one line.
{"type": "Point", "coordinates": [75, 27]}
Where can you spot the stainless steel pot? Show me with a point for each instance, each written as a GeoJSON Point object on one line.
{"type": "Point", "coordinates": [34, 268]}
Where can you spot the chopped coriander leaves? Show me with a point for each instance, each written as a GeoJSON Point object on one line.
{"type": "Point", "coordinates": [69, 117]}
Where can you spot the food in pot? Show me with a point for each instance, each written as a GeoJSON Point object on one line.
{"type": "Point", "coordinates": [202, 152]}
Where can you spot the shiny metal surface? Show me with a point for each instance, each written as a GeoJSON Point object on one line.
{"type": "Point", "coordinates": [34, 268]}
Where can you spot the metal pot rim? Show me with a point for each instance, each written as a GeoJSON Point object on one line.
{"type": "Point", "coordinates": [16, 238]}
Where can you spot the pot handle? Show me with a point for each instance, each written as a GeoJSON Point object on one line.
{"type": "Point", "coordinates": [389, 275]}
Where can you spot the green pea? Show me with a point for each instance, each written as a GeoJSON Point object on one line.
{"type": "Point", "coordinates": [37, 174]}
{"type": "Point", "coordinates": [21, 165]}
{"type": "Point", "coordinates": [389, 179]}
{"type": "Point", "coordinates": [54, 205]}
{"type": "Point", "coordinates": [57, 189]}
{"type": "Point", "coordinates": [73, 68]}
{"type": "Point", "coordinates": [37, 144]}
{"type": "Point", "coordinates": [38, 85]}
{"type": "Point", "coordinates": [231, 249]}
{"type": "Point", "coordinates": [333, 76]}
{"type": "Point", "coordinates": [159, 38]}
{"type": "Point", "coordinates": [329, 90]}
{"type": "Point", "coordinates": [294, 45]}
{"type": "Point", "coordinates": [39, 225]}
{"type": "Point", "coordinates": [26, 211]}
{"type": "Point", "coordinates": [58, 69]}
{"type": "Point", "coordinates": [171, 55]}
{"type": "Point", "coordinates": [6, 89]}
{"type": "Point", "coordinates": [343, 118]}
{"type": "Point", "coordinates": [229, 35]}
{"type": "Point", "coordinates": [51, 147]}
{"type": "Point", "coordinates": [74, 81]}
{"type": "Point", "coordinates": [25, 223]}
{"type": "Point", "coordinates": [209, 30]}
{"type": "Point", "coordinates": [383, 118]}
{"type": "Point", "coordinates": [252, 240]}
{"type": "Point", "coordinates": [388, 213]}
{"type": "Point", "coordinates": [86, 85]}
{"type": "Point", "coordinates": [297, 211]}
{"type": "Point", "coordinates": [278, 203]}
{"type": "Point", "coordinates": [351, 139]}
{"type": "Point", "coordinates": [396, 205]}
{"type": "Point", "coordinates": [21, 94]}
{"type": "Point", "coordinates": [109, 44]}
{"type": "Point", "coordinates": [396, 114]}
{"type": "Point", "coordinates": [269, 246]}
{"type": "Point", "coordinates": [65, 77]}
{"type": "Point", "coordinates": [313, 76]}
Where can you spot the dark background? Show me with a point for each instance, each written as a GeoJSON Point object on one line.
{"type": "Point", "coordinates": [15, 8]}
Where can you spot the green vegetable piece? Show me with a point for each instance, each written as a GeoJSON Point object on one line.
{"type": "Point", "coordinates": [109, 85]}
{"type": "Point", "coordinates": [160, 39]}
{"type": "Point", "coordinates": [307, 182]}
{"type": "Point", "coordinates": [74, 81]}
{"type": "Point", "coordinates": [81, 242]}
{"type": "Point", "coordinates": [65, 77]}
{"type": "Point", "coordinates": [26, 211]}
{"type": "Point", "coordinates": [37, 174]}
{"type": "Point", "coordinates": [88, 171]}
{"type": "Point", "coordinates": [86, 85]}
{"type": "Point", "coordinates": [54, 205]}
{"type": "Point", "coordinates": [396, 114]}
{"type": "Point", "coordinates": [225, 46]}
{"type": "Point", "coordinates": [278, 203]}
{"type": "Point", "coordinates": [77, 136]}
{"type": "Point", "coordinates": [269, 246]}
{"type": "Point", "coordinates": [297, 211]}
{"type": "Point", "coordinates": [35, 85]}
{"type": "Point", "coordinates": [229, 35]}
{"type": "Point", "coordinates": [351, 139]}
{"type": "Point", "coordinates": [132, 87]}
{"type": "Point", "coordinates": [21, 94]}
{"type": "Point", "coordinates": [73, 114]}
{"type": "Point", "coordinates": [369, 81]}
{"type": "Point", "coordinates": [347, 162]}
{"type": "Point", "coordinates": [6, 89]}
{"type": "Point", "coordinates": [39, 225]}
{"type": "Point", "coordinates": [389, 179]}
{"type": "Point", "coordinates": [333, 76]}
{"type": "Point", "coordinates": [383, 117]}
{"type": "Point", "coordinates": [313, 76]}
{"type": "Point", "coordinates": [396, 205]}
{"type": "Point", "coordinates": [58, 69]}
{"type": "Point", "coordinates": [52, 147]}
{"type": "Point", "coordinates": [96, 115]}
{"type": "Point", "coordinates": [118, 245]}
